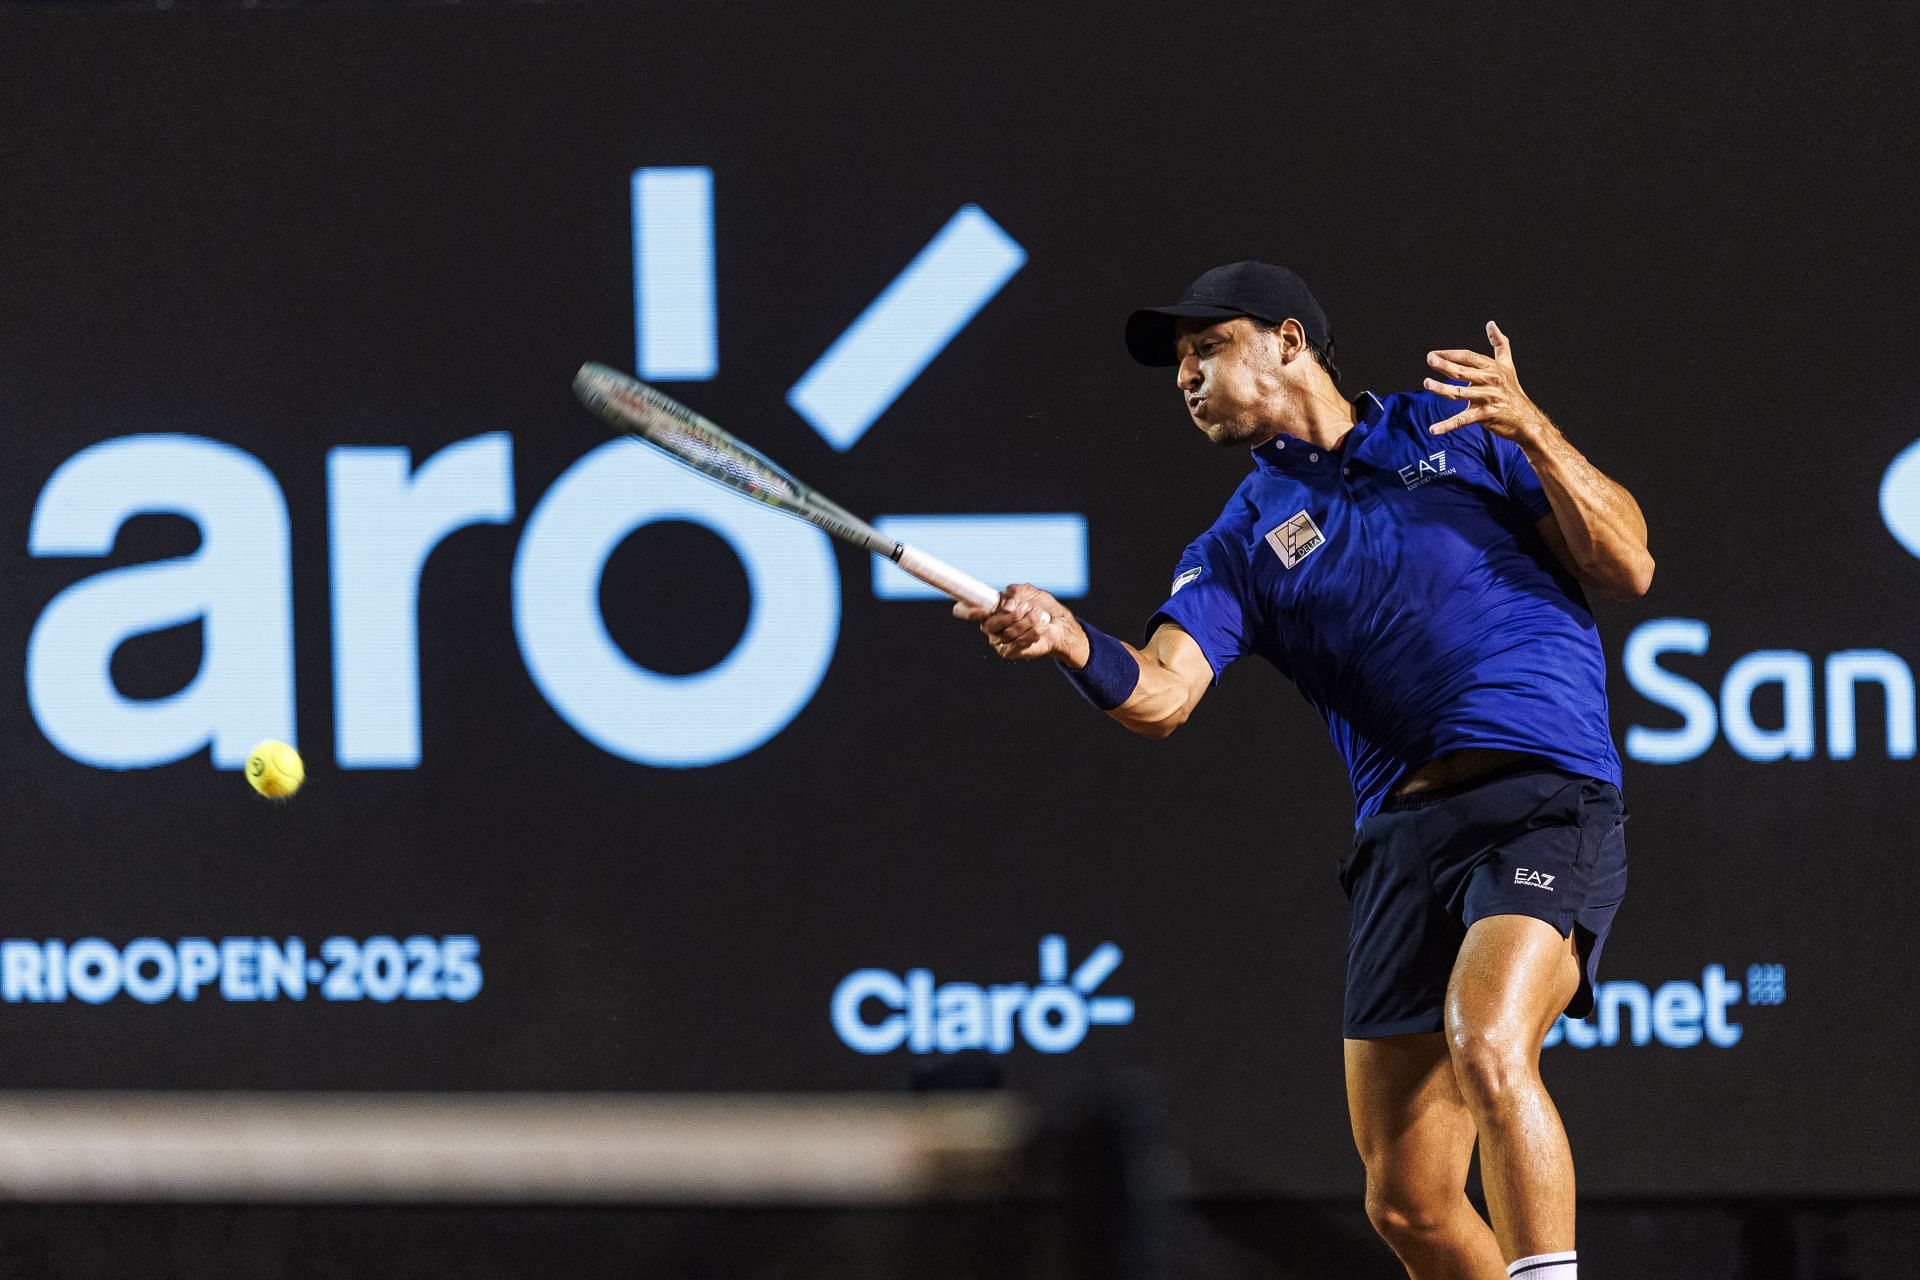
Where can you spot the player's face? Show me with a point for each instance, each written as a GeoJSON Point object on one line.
{"type": "Point", "coordinates": [1234, 379]}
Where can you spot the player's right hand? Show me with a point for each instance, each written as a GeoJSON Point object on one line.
{"type": "Point", "coordinates": [1027, 622]}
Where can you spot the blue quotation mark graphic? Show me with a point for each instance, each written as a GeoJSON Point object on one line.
{"type": "Point", "coordinates": [1049, 550]}
{"type": "Point", "coordinates": [861, 373]}
{"type": "Point", "coordinates": [676, 326]}
{"type": "Point", "coordinates": [910, 323]}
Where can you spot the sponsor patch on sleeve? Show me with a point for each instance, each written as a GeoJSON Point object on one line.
{"type": "Point", "coordinates": [1184, 579]}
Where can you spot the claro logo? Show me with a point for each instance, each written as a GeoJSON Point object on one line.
{"type": "Point", "coordinates": [1789, 677]}
{"type": "Point", "coordinates": [387, 511]}
{"type": "Point", "coordinates": [878, 1011]}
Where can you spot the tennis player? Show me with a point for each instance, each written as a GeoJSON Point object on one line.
{"type": "Point", "coordinates": [1416, 564]}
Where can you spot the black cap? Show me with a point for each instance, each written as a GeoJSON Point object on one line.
{"type": "Point", "coordinates": [1257, 289]}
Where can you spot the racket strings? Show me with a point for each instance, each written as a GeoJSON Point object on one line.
{"type": "Point", "coordinates": [717, 460]}
{"type": "Point", "coordinates": [656, 419]}
{"type": "Point", "coordinates": [711, 450]}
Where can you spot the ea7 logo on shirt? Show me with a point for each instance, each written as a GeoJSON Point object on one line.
{"type": "Point", "coordinates": [1538, 879]}
{"type": "Point", "coordinates": [1429, 468]}
{"type": "Point", "coordinates": [1184, 579]}
{"type": "Point", "coordinates": [1294, 539]}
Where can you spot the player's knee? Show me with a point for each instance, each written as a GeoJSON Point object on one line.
{"type": "Point", "coordinates": [1406, 1221]}
{"type": "Point", "coordinates": [1491, 1065]}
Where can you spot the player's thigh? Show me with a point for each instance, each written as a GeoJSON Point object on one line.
{"type": "Point", "coordinates": [1514, 975]}
{"type": "Point", "coordinates": [1410, 1123]}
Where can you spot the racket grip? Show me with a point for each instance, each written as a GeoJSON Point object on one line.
{"type": "Point", "coordinates": [936, 572]}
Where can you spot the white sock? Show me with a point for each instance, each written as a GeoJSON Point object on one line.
{"type": "Point", "coordinates": [1545, 1266]}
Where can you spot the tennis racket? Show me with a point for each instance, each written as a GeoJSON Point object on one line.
{"type": "Point", "coordinates": [633, 407]}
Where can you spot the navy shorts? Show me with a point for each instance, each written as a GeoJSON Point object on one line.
{"type": "Point", "coordinates": [1532, 841]}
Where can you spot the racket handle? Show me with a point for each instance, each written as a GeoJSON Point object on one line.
{"type": "Point", "coordinates": [936, 572]}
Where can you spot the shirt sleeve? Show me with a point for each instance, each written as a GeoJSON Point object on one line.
{"type": "Point", "coordinates": [1517, 476]}
{"type": "Point", "coordinates": [1206, 602]}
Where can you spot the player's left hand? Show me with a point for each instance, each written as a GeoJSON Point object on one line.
{"type": "Point", "coordinates": [1493, 396]}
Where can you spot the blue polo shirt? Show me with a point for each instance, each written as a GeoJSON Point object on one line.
{"type": "Point", "coordinates": [1399, 581]}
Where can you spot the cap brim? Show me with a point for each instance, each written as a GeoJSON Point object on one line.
{"type": "Point", "coordinates": [1150, 330]}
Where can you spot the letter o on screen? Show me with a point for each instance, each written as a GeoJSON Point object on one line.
{"type": "Point", "coordinates": [93, 970]}
{"type": "Point", "coordinates": [148, 970]}
{"type": "Point", "coordinates": [614, 702]}
{"type": "Point", "coordinates": [1054, 1019]}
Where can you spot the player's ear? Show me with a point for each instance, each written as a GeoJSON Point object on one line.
{"type": "Point", "coordinates": [1293, 340]}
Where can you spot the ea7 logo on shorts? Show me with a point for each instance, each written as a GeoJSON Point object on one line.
{"type": "Point", "coordinates": [1294, 539]}
{"type": "Point", "coordinates": [1431, 467]}
{"type": "Point", "coordinates": [1538, 879]}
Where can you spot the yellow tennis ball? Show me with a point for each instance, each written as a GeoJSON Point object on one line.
{"type": "Point", "coordinates": [275, 770]}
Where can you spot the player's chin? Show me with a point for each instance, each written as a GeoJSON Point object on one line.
{"type": "Point", "coordinates": [1224, 435]}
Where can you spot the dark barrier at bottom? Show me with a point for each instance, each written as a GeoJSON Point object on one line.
{"type": "Point", "coordinates": [945, 1185]}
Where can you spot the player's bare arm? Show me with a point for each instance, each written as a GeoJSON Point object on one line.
{"type": "Point", "coordinates": [1596, 529]}
{"type": "Point", "coordinates": [1030, 623]}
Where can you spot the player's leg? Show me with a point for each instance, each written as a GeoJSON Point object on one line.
{"type": "Point", "coordinates": [1513, 977]}
{"type": "Point", "coordinates": [1415, 1134]}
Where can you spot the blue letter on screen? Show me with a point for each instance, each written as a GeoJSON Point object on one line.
{"type": "Point", "coordinates": [1876, 666]}
{"type": "Point", "coordinates": [910, 323]}
{"type": "Point", "coordinates": [1793, 672]}
{"type": "Point", "coordinates": [675, 329]}
{"type": "Point", "coordinates": [387, 517]}
{"type": "Point", "coordinates": [237, 586]}
{"type": "Point", "coordinates": [614, 702]}
{"type": "Point", "coordinates": [1677, 693]}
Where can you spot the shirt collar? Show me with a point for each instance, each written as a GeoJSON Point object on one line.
{"type": "Point", "coordinates": [1285, 452]}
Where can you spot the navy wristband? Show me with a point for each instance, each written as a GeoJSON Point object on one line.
{"type": "Point", "coordinates": [1110, 674]}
